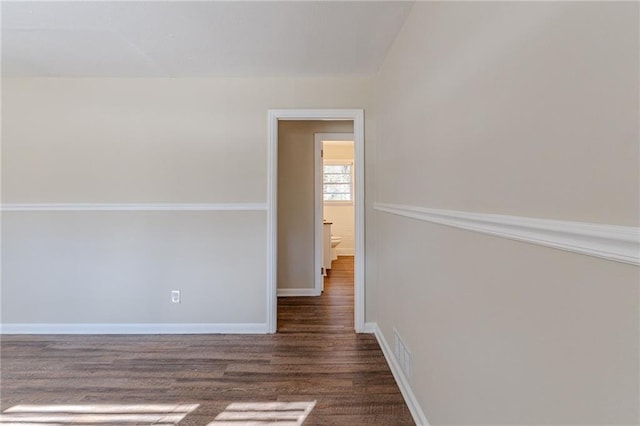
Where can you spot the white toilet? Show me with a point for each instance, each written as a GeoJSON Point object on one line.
{"type": "Point", "coordinates": [334, 242]}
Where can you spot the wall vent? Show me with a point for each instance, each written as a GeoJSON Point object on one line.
{"type": "Point", "coordinates": [402, 353]}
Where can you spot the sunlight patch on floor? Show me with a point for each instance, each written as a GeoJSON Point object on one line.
{"type": "Point", "coordinates": [258, 413]}
{"type": "Point", "coordinates": [165, 414]}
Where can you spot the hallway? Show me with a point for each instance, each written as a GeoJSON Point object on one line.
{"type": "Point", "coordinates": [330, 313]}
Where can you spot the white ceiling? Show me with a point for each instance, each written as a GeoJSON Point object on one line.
{"type": "Point", "coordinates": [201, 38]}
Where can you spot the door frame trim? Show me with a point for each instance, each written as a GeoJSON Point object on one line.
{"type": "Point", "coordinates": [273, 116]}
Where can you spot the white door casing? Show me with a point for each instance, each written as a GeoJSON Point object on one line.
{"type": "Point", "coordinates": [273, 116]}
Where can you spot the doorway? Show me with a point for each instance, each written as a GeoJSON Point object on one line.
{"type": "Point", "coordinates": [274, 118]}
{"type": "Point", "coordinates": [334, 166]}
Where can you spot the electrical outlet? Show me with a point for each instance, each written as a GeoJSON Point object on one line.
{"type": "Point", "coordinates": [175, 296]}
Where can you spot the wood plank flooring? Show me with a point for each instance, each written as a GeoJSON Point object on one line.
{"type": "Point", "coordinates": [315, 358]}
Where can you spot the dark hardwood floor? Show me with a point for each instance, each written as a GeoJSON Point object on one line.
{"type": "Point", "coordinates": [315, 366]}
{"type": "Point", "coordinates": [330, 313]}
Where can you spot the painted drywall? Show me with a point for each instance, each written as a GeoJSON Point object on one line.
{"type": "Point", "coordinates": [120, 267]}
{"type": "Point", "coordinates": [296, 247]}
{"type": "Point", "coordinates": [142, 141]}
{"type": "Point", "coordinates": [149, 140]}
{"type": "Point", "coordinates": [342, 216]}
{"type": "Point", "coordinates": [509, 333]}
{"type": "Point", "coordinates": [517, 108]}
{"type": "Point", "coordinates": [338, 150]}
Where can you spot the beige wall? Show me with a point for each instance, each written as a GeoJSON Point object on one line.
{"type": "Point", "coordinates": [341, 216]}
{"type": "Point", "coordinates": [142, 141]}
{"type": "Point", "coordinates": [296, 247]}
{"type": "Point", "coordinates": [338, 151]}
{"type": "Point", "coordinates": [149, 140]}
{"type": "Point", "coordinates": [120, 267]}
{"type": "Point", "coordinates": [515, 108]}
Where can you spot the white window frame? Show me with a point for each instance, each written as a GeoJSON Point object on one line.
{"type": "Point", "coordinates": [338, 162]}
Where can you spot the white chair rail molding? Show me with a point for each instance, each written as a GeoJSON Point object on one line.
{"type": "Point", "coordinates": [49, 207]}
{"type": "Point", "coordinates": [612, 242]}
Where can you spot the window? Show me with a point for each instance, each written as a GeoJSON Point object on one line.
{"type": "Point", "coordinates": [337, 181]}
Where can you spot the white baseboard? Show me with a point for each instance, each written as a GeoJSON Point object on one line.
{"type": "Point", "coordinates": [401, 379]}
{"type": "Point", "coordinates": [345, 251]}
{"type": "Point", "coordinates": [370, 327]}
{"type": "Point", "coordinates": [296, 292]}
{"type": "Point", "coordinates": [196, 328]}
